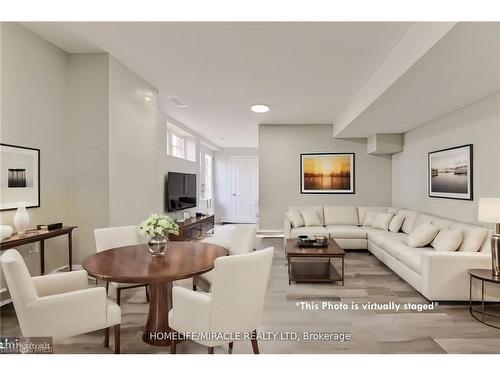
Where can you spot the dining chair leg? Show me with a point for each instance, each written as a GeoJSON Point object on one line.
{"type": "Point", "coordinates": [117, 339]}
{"type": "Point", "coordinates": [107, 288]}
{"type": "Point", "coordinates": [210, 350]}
{"type": "Point", "coordinates": [255, 345]}
{"type": "Point", "coordinates": [173, 348]}
{"type": "Point", "coordinates": [194, 285]}
{"type": "Point", "coordinates": [231, 347]}
{"type": "Point", "coordinates": [106, 337]}
{"type": "Point", "coordinates": [118, 290]}
{"type": "Point", "coordinates": [147, 294]}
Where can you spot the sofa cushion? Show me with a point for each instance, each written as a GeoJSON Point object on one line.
{"type": "Point", "coordinates": [362, 210]}
{"type": "Point", "coordinates": [369, 218]}
{"type": "Point", "coordinates": [410, 217]}
{"type": "Point", "coordinates": [295, 218]}
{"type": "Point", "coordinates": [486, 246]}
{"type": "Point", "coordinates": [422, 235]}
{"type": "Point", "coordinates": [447, 240]}
{"type": "Point", "coordinates": [393, 246]}
{"type": "Point", "coordinates": [344, 215]}
{"type": "Point", "coordinates": [318, 209]}
{"type": "Point", "coordinates": [441, 223]}
{"type": "Point", "coordinates": [412, 258]}
{"type": "Point", "coordinates": [422, 219]}
{"type": "Point", "coordinates": [396, 223]}
{"type": "Point", "coordinates": [472, 236]}
{"type": "Point", "coordinates": [382, 220]}
{"type": "Point", "coordinates": [346, 231]}
{"type": "Point", "coordinates": [309, 231]}
{"type": "Point", "coordinates": [311, 218]}
{"type": "Point", "coordinates": [379, 237]}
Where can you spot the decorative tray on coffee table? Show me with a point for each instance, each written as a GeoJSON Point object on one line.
{"type": "Point", "coordinates": [319, 241]}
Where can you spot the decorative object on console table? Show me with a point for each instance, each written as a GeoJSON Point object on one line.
{"type": "Point", "coordinates": [489, 212]}
{"type": "Point", "coordinates": [157, 227]}
{"type": "Point", "coordinates": [21, 218]}
{"type": "Point", "coordinates": [450, 173]}
{"type": "Point", "coordinates": [327, 173]}
{"type": "Point", "coordinates": [50, 226]}
{"type": "Point", "coordinates": [20, 168]}
{"type": "Point", "coordinates": [5, 231]}
{"type": "Point", "coordinates": [15, 240]}
{"type": "Point", "coordinates": [194, 227]}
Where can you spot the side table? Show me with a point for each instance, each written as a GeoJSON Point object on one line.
{"type": "Point", "coordinates": [485, 276]}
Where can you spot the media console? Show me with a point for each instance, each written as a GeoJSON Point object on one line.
{"type": "Point", "coordinates": [194, 227]}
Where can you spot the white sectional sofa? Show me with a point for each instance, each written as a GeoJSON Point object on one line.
{"type": "Point", "coordinates": [437, 275]}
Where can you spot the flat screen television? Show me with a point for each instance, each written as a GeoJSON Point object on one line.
{"type": "Point", "coordinates": [180, 191]}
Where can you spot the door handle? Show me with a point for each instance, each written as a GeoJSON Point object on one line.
{"type": "Point", "coordinates": [234, 195]}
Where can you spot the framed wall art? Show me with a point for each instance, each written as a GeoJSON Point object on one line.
{"type": "Point", "coordinates": [450, 173]}
{"type": "Point", "coordinates": [327, 173]}
{"type": "Point", "coordinates": [19, 176]}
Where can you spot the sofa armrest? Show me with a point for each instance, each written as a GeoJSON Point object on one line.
{"type": "Point", "coordinates": [445, 277]}
{"type": "Point", "coordinates": [287, 228]}
{"type": "Point", "coordinates": [67, 314]}
{"type": "Point", "coordinates": [62, 282]}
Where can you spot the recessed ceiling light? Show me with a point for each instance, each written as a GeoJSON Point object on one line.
{"type": "Point", "coordinates": [260, 108]}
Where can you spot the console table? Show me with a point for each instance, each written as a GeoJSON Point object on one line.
{"type": "Point", "coordinates": [16, 240]}
{"type": "Point", "coordinates": [192, 228]}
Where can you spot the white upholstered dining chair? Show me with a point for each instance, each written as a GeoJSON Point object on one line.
{"type": "Point", "coordinates": [242, 241]}
{"type": "Point", "coordinates": [109, 238]}
{"type": "Point", "coordinates": [58, 305]}
{"type": "Point", "coordinates": [234, 305]}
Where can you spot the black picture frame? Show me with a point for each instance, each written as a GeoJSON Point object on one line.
{"type": "Point", "coordinates": [37, 180]}
{"type": "Point", "coordinates": [469, 196]}
{"type": "Point", "coordinates": [352, 155]}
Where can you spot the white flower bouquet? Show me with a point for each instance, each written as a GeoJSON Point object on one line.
{"type": "Point", "coordinates": [157, 225]}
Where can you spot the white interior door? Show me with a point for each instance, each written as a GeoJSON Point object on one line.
{"type": "Point", "coordinates": [244, 185]}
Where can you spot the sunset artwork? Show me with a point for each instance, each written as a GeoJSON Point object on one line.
{"type": "Point", "coordinates": [327, 173]}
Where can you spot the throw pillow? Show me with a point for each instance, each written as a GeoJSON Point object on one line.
{"type": "Point", "coordinates": [382, 220]}
{"type": "Point", "coordinates": [422, 235]}
{"type": "Point", "coordinates": [369, 217]}
{"type": "Point", "coordinates": [311, 218]}
{"type": "Point", "coordinates": [447, 240]}
{"type": "Point", "coordinates": [473, 238]}
{"type": "Point", "coordinates": [396, 223]}
{"type": "Point", "coordinates": [295, 218]}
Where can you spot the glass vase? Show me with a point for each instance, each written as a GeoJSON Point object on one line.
{"type": "Point", "coordinates": [158, 245]}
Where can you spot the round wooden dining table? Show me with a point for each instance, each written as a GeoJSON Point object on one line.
{"type": "Point", "coordinates": [134, 264]}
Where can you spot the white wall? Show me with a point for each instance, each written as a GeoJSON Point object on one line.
{"type": "Point", "coordinates": [134, 138]}
{"type": "Point", "coordinates": [479, 124]}
{"type": "Point", "coordinates": [280, 147]}
{"type": "Point", "coordinates": [88, 170]}
{"type": "Point", "coordinates": [34, 101]}
{"type": "Point", "coordinates": [222, 180]}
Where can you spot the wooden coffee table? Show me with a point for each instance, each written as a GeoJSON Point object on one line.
{"type": "Point", "coordinates": [313, 264]}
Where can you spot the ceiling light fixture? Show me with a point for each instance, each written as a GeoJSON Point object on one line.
{"type": "Point", "coordinates": [260, 108]}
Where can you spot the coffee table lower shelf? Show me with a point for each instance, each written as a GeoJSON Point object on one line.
{"type": "Point", "coordinates": [313, 271]}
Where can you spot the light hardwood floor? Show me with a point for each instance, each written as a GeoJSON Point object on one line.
{"type": "Point", "coordinates": [448, 329]}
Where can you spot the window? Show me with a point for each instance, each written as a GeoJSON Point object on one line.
{"type": "Point", "coordinates": [180, 144]}
{"type": "Point", "coordinates": [207, 176]}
